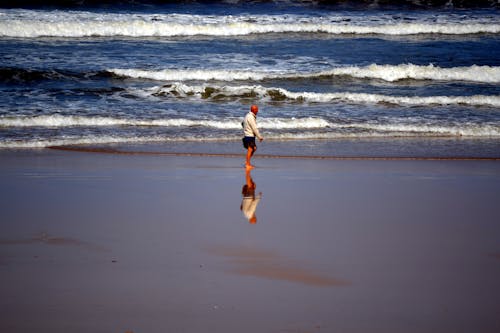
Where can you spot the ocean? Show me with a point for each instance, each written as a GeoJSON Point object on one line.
{"type": "Point", "coordinates": [329, 80]}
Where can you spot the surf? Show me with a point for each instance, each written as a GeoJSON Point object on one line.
{"type": "Point", "coordinates": [389, 73]}
{"type": "Point", "coordinates": [61, 121]}
{"type": "Point", "coordinates": [74, 24]}
{"type": "Point", "coordinates": [276, 94]}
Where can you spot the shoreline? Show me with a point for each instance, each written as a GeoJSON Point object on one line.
{"type": "Point", "coordinates": [423, 148]}
{"type": "Point", "coordinates": [124, 151]}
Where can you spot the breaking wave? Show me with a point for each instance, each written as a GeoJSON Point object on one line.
{"type": "Point", "coordinates": [280, 94]}
{"type": "Point", "coordinates": [391, 73]}
{"type": "Point", "coordinates": [227, 123]}
{"type": "Point", "coordinates": [76, 140]}
{"type": "Point", "coordinates": [356, 130]}
{"type": "Point", "coordinates": [32, 23]}
{"type": "Point", "coordinates": [466, 130]}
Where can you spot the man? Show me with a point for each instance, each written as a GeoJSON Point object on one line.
{"type": "Point", "coordinates": [250, 131]}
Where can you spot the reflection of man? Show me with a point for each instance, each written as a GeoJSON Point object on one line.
{"type": "Point", "coordinates": [250, 201]}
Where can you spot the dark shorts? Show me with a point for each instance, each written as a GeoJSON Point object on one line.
{"type": "Point", "coordinates": [249, 141]}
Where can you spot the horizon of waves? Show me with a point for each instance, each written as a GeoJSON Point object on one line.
{"type": "Point", "coordinates": [39, 23]}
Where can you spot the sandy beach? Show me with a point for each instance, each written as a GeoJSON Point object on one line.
{"type": "Point", "coordinates": [106, 242]}
{"type": "Point", "coordinates": [125, 205]}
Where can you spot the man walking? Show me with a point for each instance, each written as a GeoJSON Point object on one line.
{"type": "Point", "coordinates": [250, 131]}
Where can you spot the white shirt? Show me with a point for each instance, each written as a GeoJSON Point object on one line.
{"type": "Point", "coordinates": [250, 125]}
{"type": "Point", "coordinates": [249, 206]}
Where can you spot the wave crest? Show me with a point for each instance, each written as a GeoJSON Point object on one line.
{"type": "Point", "coordinates": [391, 73]}
{"type": "Point", "coordinates": [33, 23]}
{"type": "Point", "coordinates": [355, 130]}
{"type": "Point", "coordinates": [141, 28]}
{"type": "Point", "coordinates": [227, 123]}
{"type": "Point", "coordinates": [279, 94]}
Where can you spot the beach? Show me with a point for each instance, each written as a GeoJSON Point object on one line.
{"type": "Point", "coordinates": [373, 207]}
{"type": "Point", "coordinates": [121, 239]}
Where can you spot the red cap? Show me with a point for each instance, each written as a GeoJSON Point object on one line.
{"type": "Point", "coordinates": [254, 108]}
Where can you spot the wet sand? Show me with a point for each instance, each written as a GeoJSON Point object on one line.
{"type": "Point", "coordinates": [100, 241]}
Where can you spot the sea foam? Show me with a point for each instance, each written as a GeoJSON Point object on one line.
{"type": "Point", "coordinates": [26, 23]}
{"type": "Point", "coordinates": [338, 131]}
{"type": "Point", "coordinates": [139, 28]}
{"type": "Point", "coordinates": [280, 94]}
{"type": "Point", "coordinates": [391, 73]}
{"type": "Point", "coordinates": [88, 121]}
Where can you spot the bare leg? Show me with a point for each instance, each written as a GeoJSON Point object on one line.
{"type": "Point", "coordinates": [250, 152]}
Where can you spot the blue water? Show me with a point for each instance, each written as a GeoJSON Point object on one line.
{"type": "Point", "coordinates": [179, 74]}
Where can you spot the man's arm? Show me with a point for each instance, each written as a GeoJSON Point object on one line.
{"type": "Point", "coordinates": [253, 126]}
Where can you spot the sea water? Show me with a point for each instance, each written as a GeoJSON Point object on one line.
{"type": "Point", "coordinates": [186, 73]}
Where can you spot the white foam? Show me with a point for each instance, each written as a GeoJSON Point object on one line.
{"type": "Point", "coordinates": [76, 140]}
{"type": "Point", "coordinates": [139, 28]}
{"type": "Point", "coordinates": [375, 130]}
{"type": "Point", "coordinates": [337, 131]}
{"type": "Point", "coordinates": [199, 91]}
{"type": "Point", "coordinates": [58, 121]}
{"type": "Point", "coordinates": [391, 73]}
{"type": "Point", "coordinates": [402, 129]}
{"type": "Point", "coordinates": [102, 139]}
{"type": "Point", "coordinates": [478, 100]}
{"type": "Point", "coordinates": [32, 23]}
{"type": "Point", "coordinates": [228, 123]}
{"type": "Point", "coordinates": [195, 74]}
